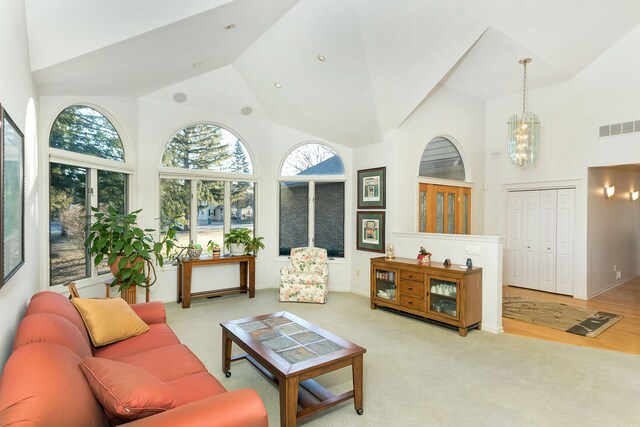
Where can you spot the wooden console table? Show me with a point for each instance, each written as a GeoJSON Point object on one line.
{"type": "Point", "coordinates": [247, 265]}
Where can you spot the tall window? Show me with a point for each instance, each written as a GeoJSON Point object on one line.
{"type": "Point", "coordinates": [444, 205]}
{"type": "Point", "coordinates": [312, 200]}
{"type": "Point", "coordinates": [206, 184]}
{"type": "Point", "coordinates": [86, 168]}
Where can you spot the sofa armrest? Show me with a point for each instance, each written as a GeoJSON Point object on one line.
{"type": "Point", "coordinates": [238, 408]}
{"type": "Point", "coordinates": [150, 312]}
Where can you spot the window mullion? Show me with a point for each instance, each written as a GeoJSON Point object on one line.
{"type": "Point", "coordinates": [193, 212]}
{"type": "Point", "coordinates": [92, 199]}
{"type": "Point", "coordinates": [312, 212]}
{"type": "Point", "coordinates": [227, 208]}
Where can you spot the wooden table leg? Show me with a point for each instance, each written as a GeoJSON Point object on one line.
{"type": "Point", "coordinates": [252, 277]}
{"type": "Point", "coordinates": [244, 266]}
{"type": "Point", "coordinates": [357, 384]}
{"type": "Point", "coordinates": [226, 353]}
{"type": "Point", "coordinates": [288, 401]}
{"type": "Point", "coordinates": [186, 285]}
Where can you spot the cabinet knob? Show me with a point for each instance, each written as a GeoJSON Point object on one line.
{"type": "Point", "coordinates": [410, 289]}
{"type": "Point", "coordinates": [410, 302]}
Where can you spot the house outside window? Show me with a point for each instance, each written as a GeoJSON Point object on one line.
{"type": "Point", "coordinates": [312, 200]}
{"type": "Point", "coordinates": [207, 184]}
{"type": "Point", "coordinates": [86, 168]}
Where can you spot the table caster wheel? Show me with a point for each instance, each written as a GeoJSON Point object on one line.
{"type": "Point", "coordinates": [360, 411]}
{"type": "Point", "coordinates": [227, 374]}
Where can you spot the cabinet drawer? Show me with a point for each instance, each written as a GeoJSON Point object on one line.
{"type": "Point", "coordinates": [412, 288]}
{"type": "Point", "coordinates": [411, 275]}
{"type": "Point", "coordinates": [412, 301]}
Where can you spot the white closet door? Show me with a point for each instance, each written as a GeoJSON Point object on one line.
{"type": "Point", "coordinates": [566, 241]}
{"type": "Point", "coordinates": [548, 214]}
{"type": "Point", "coordinates": [530, 239]}
{"type": "Point", "coordinates": [515, 237]}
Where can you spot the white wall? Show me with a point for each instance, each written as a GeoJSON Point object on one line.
{"type": "Point", "coordinates": [612, 228]}
{"type": "Point", "coordinates": [571, 113]}
{"type": "Point", "coordinates": [18, 96]}
{"type": "Point", "coordinates": [445, 112]}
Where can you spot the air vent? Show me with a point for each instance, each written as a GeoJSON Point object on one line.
{"type": "Point", "coordinates": [619, 128]}
{"type": "Point", "coordinates": [604, 131]}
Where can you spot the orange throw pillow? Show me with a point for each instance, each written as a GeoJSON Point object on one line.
{"type": "Point", "coordinates": [126, 391]}
{"type": "Point", "coordinates": [109, 320]}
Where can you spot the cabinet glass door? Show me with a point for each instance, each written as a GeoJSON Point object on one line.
{"type": "Point", "coordinates": [443, 296]}
{"type": "Point", "coordinates": [386, 284]}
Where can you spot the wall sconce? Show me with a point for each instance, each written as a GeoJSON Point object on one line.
{"type": "Point", "coordinates": [609, 191]}
{"type": "Point", "coordinates": [634, 195]}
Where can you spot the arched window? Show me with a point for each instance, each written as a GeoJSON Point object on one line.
{"type": "Point", "coordinates": [211, 165]}
{"type": "Point", "coordinates": [86, 168]}
{"type": "Point", "coordinates": [441, 159]}
{"type": "Point", "coordinates": [444, 204]}
{"type": "Point", "coordinates": [312, 200]}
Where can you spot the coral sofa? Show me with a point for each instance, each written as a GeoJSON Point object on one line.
{"type": "Point", "coordinates": [42, 383]}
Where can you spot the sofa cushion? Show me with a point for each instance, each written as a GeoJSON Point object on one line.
{"type": "Point", "coordinates": [126, 391]}
{"type": "Point", "coordinates": [51, 328]}
{"type": "Point", "coordinates": [191, 388]}
{"type": "Point", "coordinates": [42, 385]}
{"type": "Point", "coordinates": [55, 303]}
{"type": "Point", "coordinates": [166, 363]}
{"type": "Point", "coordinates": [159, 335]}
{"type": "Point", "coordinates": [109, 320]}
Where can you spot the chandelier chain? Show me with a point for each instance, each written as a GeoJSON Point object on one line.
{"type": "Point", "coordinates": [524, 90]}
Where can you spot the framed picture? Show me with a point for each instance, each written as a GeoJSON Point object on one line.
{"type": "Point", "coordinates": [371, 188]}
{"type": "Point", "coordinates": [370, 231]}
{"type": "Point", "coordinates": [12, 200]}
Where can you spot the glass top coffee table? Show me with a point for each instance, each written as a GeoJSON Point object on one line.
{"type": "Point", "coordinates": [291, 351]}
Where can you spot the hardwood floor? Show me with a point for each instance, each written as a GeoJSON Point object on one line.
{"type": "Point", "coordinates": [624, 336]}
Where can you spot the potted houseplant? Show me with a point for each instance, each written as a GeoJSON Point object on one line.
{"type": "Point", "coordinates": [424, 256]}
{"type": "Point", "coordinates": [236, 240]}
{"type": "Point", "coordinates": [214, 248]}
{"type": "Point", "coordinates": [130, 251]}
{"type": "Point", "coordinates": [194, 251]}
{"type": "Point", "coordinates": [254, 245]}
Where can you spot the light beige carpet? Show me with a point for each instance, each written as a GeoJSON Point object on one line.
{"type": "Point", "coordinates": [421, 374]}
{"type": "Point", "coordinates": [564, 317]}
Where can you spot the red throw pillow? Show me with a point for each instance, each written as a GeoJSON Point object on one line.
{"type": "Point", "coordinates": [126, 391]}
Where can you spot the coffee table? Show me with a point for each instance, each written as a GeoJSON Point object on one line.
{"type": "Point", "coordinates": [291, 351]}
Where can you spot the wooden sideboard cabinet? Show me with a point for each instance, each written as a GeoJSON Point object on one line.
{"type": "Point", "coordinates": [451, 295]}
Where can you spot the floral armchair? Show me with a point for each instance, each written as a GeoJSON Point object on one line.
{"type": "Point", "coordinates": [305, 280]}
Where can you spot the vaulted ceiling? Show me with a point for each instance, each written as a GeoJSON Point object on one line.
{"type": "Point", "coordinates": [382, 58]}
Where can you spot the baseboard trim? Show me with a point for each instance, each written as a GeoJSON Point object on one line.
{"type": "Point", "coordinates": [613, 285]}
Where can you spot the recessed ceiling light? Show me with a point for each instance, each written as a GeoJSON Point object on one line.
{"type": "Point", "coordinates": [229, 27]}
{"type": "Point", "coordinates": [179, 97]}
{"type": "Point", "coordinates": [246, 111]}
{"type": "Point", "coordinates": [196, 64]}
{"type": "Point", "coordinates": [278, 85]}
{"type": "Point", "coordinates": [321, 58]}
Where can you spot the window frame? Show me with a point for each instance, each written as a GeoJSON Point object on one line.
{"type": "Point", "coordinates": [92, 164]}
{"type": "Point", "coordinates": [311, 180]}
{"type": "Point", "coordinates": [195, 175]}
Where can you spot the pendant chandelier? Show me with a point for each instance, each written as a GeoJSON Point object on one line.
{"type": "Point", "coordinates": [524, 130]}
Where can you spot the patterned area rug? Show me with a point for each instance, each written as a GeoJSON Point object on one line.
{"type": "Point", "coordinates": [575, 320]}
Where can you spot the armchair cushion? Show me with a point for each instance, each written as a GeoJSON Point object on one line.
{"type": "Point", "coordinates": [306, 279]}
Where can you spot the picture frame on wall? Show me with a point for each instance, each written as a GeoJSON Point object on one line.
{"type": "Point", "coordinates": [370, 231]}
{"type": "Point", "coordinates": [12, 200]}
{"type": "Point", "coordinates": [371, 188]}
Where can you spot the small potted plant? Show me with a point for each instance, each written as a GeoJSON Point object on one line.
{"type": "Point", "coordinates": [214, 248]}
{"type": "Point", "coordinates": [236, 240]}
{"type": "Point", "coordinates": [424, 256]}
{"type": "Point", "coordinates": [194, 251]}
{"type": "Point", "coordinates": [254, 245]}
